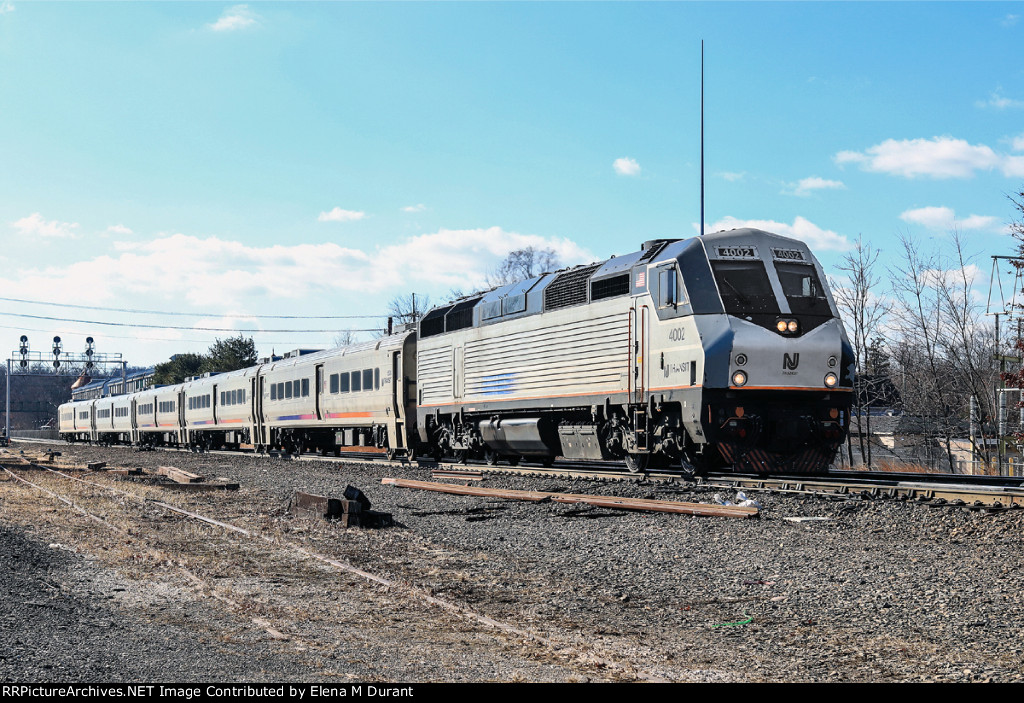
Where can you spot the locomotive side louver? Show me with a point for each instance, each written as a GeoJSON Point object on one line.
{"type": "Point", "coordinates": [569, 288]}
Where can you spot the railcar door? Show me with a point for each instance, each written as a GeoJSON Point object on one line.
{"type": "Point", "coordinates": [256, 410]}
{"type": "Point", "coordinates": [318, 389]}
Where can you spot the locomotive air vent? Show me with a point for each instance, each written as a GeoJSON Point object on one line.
{"type": "Point", "coordinates": [569, 288]}
{"type": "Point", "coordinates": [610, 287]}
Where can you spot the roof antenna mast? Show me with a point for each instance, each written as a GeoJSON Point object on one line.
{"type": "Point", "coordinates": [702, 137]}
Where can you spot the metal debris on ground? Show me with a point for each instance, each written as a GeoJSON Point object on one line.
{"type": "Point", "coordinates": [351, 511]}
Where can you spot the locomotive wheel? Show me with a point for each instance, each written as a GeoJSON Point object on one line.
{"type": "Point", "coordinates": [460, 456]}
{"type": "Point", "coordinates": [490, 457]}
{"type": "Point", "coordinates": [513, 459]}
{"type": "Point", "coordinates": [637, 463]}
{"type": "Point", "coordinates": [547, 461]}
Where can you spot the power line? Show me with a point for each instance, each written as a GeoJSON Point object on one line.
{"type": "Point", "coordinates": [172, 327]}
{"type": "Point", "coordinates": [150, 339]}
{"type": "Point", "coordinates": [196, 314]}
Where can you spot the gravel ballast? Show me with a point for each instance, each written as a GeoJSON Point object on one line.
{"type": "Point", "coordinates": [877, 591]}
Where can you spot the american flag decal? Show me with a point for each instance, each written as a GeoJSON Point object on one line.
{"type": "Point", "coordinates": [641, 279]}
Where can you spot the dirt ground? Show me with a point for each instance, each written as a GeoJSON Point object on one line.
{"type": "Point", "coordinates": [469, 589]}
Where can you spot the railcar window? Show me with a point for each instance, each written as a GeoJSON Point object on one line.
{"type": "Point", "coordinates": [288, 389]}
{"type": "Point", "coordinates": [744, 287]}
{"type": "Point", "coordinates": [802, 288]}
{"type": "Point", "coordinates": [305, 387]}
{"type": "Point", "coordinates": [343, 379]}
{"type": "Point", "coordinates": [368, 380]}
{"type": "Point", "coordinates": [376, 379]}
{"type": "Point", "coordinates": [356, 381]}
{"type": "Point", "coordinates": [334, 383]}
{"type": "Point", "coordinates": [296, 388]}
{"type": "Point", "coordinates": [273, 391]}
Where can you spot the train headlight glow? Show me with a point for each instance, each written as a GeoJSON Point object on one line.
{"type": "Point", "coordinates": [781, 326]}
{"type": "Point", "coordinates": [831, 380]}
{"type": "Point", "coordinates": [739, 378]}
{"type": "Point", "coordinates": [792, 326]}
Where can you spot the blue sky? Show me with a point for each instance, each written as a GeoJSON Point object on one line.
{"type": "Point", "coordinates": [320, 158]}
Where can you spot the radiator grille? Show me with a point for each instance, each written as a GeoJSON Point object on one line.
{"type": "Point", "coordinates": [569, 288]}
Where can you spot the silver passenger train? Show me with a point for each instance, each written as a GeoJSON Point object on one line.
{"type": "Point", "coordinates": [725, 349]}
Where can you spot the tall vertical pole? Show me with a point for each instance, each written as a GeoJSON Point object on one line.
{"type": "Point", "coordinates": [702, 137]}
{"type": "Point", "coordinates": [7, 405]}
{"type": "Point", "coordinates": [1000, 409]}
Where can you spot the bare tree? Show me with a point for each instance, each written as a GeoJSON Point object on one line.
{"type": "Point", "coordinates": [863, 311]}
{"type": "Point", "coordinates": [918, 315]}
{"type": "Point", "coordinates": [522, 264]}
{"type": "Point", "coordinates": [345, 338]}
{"type": "Point", "coordinates": [967, 342]}
{"type": "Point", "coordinates": [408, 308]}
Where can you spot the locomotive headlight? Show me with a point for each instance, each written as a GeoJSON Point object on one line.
{"type": "Point", "coordinates": [739, 378]}
{"type": "Point", "coordinates": [792, 326]}
{"type": "Point", "coordinates": [831, 380]}
{"type": "Point", "coordinates": [781, 326]}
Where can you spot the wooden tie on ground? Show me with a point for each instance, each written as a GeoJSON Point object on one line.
{"type": "Point", "coordinates": [664, 506]}
{"type": "Point", "coordinates": [179, 475]}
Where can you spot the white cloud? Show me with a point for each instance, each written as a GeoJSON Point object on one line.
{"type": "Point", "coordinates": [35, 226]}
{"type": "Point", "coordinates": [237, 17]}
{"type": "Point", "coordinates": [1013, 166]}
{"type": "Point", "coordinates": [999, 102]}
{"type": "Point", "coordinates": [414, 208]}
{"type": "Point", "coordinates": [807, 186]}
{"type": "Point", "coordinates": [951, 277]}
{"type": "Point", "coordinates": [6, 7]}
{"type": "Point", "coordinates": [1010, 20]}
{"type": "Point", "coordinates": [733, 176]}
{"type": "Point", "coordinates": [626, 166]}
{"type": "Point", "coordinates": [461, 258]}
{"type": "Point", "coordinates": [938, 157]}
{"type": "Point", "coordinates": [119, 229]}
{"type": "Point", "coordinates": [803, 229]}
{"type": "Point", "coordinates": [1018, 143]}
{"type": "Point", "coordinates": [215, 273]}
{"type": "Point", "coordinates": [339, 215]}
{"type": "Point", "coordinates": [944, 218]}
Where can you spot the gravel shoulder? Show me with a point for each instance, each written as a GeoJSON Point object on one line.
{"type": "Point", "coordinates": [880, 591]}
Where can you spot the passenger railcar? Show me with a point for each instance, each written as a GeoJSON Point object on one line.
{"type": "Point", "coordinates": [350, 398]}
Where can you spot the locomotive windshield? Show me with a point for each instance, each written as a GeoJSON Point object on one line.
{"type": "Point", "coordinates": [802, 288]}
{"type": "Point", "coordinates": [744, 287]}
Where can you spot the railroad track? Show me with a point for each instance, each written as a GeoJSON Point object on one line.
{"type": "Point", "coordinates": [992, 492]}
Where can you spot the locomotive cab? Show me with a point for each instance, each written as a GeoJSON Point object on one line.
{"type": "Point", "coordinates": [778, 378]}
